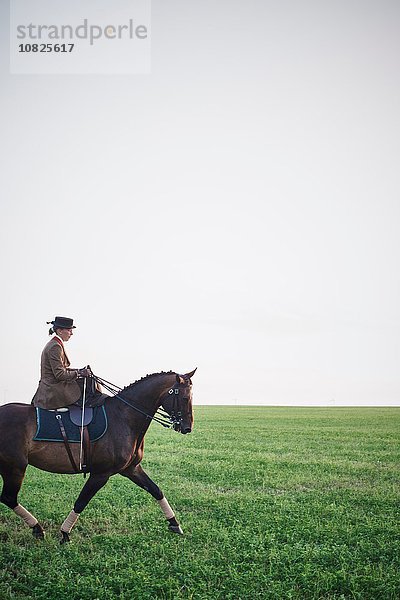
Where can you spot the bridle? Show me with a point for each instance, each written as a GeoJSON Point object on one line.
{"type": "Point", "coordinates": [170, 420]}
{"type": "Point", "coordinates": [176, 414]}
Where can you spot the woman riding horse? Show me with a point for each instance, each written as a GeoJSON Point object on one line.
{"type": "Point", "coordinates": [119, 451]}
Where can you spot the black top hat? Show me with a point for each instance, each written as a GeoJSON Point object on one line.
{"type": "Point", "coordinates": [62, 323]}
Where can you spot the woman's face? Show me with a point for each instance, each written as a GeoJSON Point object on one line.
{"type": "Point", "coordinates": [64, 334]}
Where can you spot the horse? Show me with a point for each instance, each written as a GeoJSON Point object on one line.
{"type": "Point", "coordinates": [119, 451]}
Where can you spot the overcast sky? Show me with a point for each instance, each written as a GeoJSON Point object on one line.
{"type": "Point", "coordinates": [235, 210]}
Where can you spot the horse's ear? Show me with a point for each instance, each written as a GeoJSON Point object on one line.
{"type": "Point", "coordinates": [190, 375]}
{"type": "Point", "coordinates": [180, 379]}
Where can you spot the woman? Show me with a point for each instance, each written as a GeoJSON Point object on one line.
{"type": "Point", "coordinates": [58, 383]}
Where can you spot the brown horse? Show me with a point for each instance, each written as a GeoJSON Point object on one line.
{"type": "Point", "coordinates": [120, 450]}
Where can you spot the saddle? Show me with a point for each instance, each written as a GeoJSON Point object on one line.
{"type": "Point", "coordinates": [75, 414]}
{"type": "Point", "coordinates": [65, 425]}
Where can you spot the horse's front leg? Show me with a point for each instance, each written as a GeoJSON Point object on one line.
{"type": "Point", "coordinates": [140, 477]}
{"type": "Point", "coordinates": [91, 487]}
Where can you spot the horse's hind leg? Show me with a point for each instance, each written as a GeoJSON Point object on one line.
{"type": "Point", "coordinates": [12, 481]}
{"type": "Point", "coordinates": [140, 477]}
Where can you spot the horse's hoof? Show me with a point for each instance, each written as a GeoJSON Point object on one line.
{"type": "Point", "coordinates": [38, 532]}
{"type": "Point", "coordinates": [65, 537]}
{"type": "Point", "coordinates": [176, 529]}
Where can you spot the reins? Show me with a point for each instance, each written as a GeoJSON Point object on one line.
{"type": "Point", "coordinates": [160, 416]}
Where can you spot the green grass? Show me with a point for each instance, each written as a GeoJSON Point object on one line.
{"type": "Point", "coordinates": [276, 503]}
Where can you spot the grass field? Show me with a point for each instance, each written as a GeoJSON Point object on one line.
{"type": "Point", "coordinates": [278, 503]}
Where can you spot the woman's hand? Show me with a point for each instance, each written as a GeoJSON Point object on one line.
{"type": "Point", "coordinates": [84, 372]}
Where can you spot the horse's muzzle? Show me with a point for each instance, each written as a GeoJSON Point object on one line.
{"type": "Point", "coordinates": [182, 428]}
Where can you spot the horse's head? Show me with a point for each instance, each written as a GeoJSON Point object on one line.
{"type": "Point", "coordinates": [177, 402]}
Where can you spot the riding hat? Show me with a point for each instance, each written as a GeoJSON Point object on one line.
{"type": "Point", "coordinates": [62, 323]}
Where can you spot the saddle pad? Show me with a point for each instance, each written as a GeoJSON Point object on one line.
{"type": "Point", "coordinates": [48, 429]}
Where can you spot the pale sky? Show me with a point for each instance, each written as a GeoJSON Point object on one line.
{"type": "Point", "coordinates": [235, 210]}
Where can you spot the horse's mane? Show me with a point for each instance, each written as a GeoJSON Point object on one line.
{"type": "Point", "coordinates": [146, 378]}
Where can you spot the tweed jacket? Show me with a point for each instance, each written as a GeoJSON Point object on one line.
{"type": "Point", "coordinates": [57, 386]}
